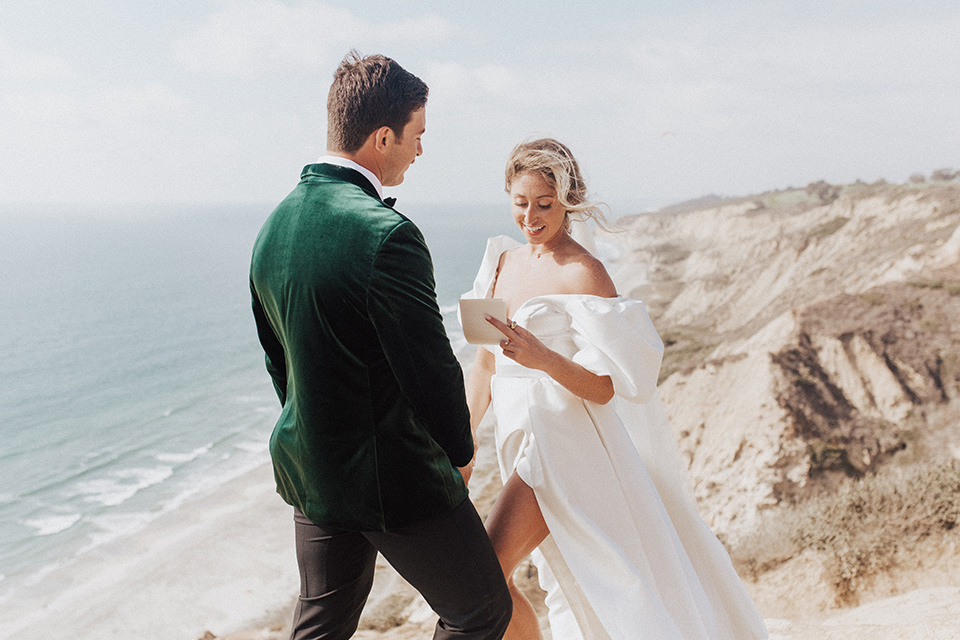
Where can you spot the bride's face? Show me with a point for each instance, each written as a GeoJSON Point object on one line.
{"type": "Point", "coordinates": [535, 208]}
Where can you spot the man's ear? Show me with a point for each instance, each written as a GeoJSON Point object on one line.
{"type": "Point", "coordinates": [383, 137]}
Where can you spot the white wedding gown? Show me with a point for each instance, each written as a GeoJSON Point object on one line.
{"type": "Point", "coordinates": [628, 557]}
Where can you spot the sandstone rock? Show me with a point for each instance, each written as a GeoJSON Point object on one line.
{"type": "Point", "coordinates": [808, 339]}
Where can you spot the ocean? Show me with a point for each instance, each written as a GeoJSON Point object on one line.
{"type": "Point", "coordinates": [131, 380]}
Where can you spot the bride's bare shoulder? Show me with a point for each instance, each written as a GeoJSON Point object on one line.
{"type": "Point", "coordinates": [587, 275]}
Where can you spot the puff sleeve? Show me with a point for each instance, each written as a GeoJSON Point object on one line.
{"type": "Point", "coordinates": [616, 337]}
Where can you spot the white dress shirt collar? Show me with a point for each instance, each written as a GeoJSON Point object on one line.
{"type": "Point", "coordinates": [350, 164]}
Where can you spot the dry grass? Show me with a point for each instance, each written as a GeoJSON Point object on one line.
{"type": "Point", "coordinates": [828, 228]}
{"type": "Point", "coordinates": [953, 288]}
{"type": "Point", "coordinates": [670, 253]}
{"type": "Point", "coordinates": [872, 298]}
{"type": "Point", "coordinates": [858, 531]}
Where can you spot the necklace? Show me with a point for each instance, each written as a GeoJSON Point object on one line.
{"type": "Point", "coordinates": [554, 249]}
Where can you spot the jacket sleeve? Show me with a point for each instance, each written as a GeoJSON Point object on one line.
{"type": "Point", "coordinates": [402, 304]}
{"type": "Point", "coordinates": [273, 351]}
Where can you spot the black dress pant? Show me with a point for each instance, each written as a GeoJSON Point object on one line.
{"type": "Point", "coordinates": [448, 559]}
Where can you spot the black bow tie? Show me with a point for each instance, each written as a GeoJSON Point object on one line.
{"type": "Point", "coordinates": [390, 201]}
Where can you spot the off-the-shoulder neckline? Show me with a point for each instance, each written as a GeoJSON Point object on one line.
{"type": "Point", "coordinates": [515, 244]}
{"type": "Point", "coordinates": [565, 296]}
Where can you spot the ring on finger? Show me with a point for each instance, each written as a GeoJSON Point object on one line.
{"type": "Point", "coordinates": [513, 324]}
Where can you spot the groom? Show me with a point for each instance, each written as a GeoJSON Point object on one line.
{"type": "Point", "coordinates": [374, 420]}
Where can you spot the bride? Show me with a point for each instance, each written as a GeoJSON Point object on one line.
{"type": "Point", "coordinates": [593, 481]}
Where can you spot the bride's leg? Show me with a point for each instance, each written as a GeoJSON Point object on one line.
{"type": "Point", "coordinates": [515, 526]}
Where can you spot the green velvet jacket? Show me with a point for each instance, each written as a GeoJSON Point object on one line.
{"type": "Point", "coordinates": [374, 417]}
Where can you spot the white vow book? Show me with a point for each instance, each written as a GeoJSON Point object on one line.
{"type": "Point", "coordinates": [476, 329]}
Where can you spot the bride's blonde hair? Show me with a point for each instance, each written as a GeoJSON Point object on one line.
{"type": "Point", "coordinates": [556, 164]}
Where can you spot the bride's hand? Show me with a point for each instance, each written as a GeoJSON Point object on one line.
{"type": "Point", "coordinates": [521, 346]}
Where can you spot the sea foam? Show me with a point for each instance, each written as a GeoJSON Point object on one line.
{"type": "Point", "coordinates": [180, 458]}
{"type": "Point", "coordinates": [120, 485]}
{"type": "Point", "coordinates": [52, 524]}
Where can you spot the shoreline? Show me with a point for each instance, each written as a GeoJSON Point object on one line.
{"type": "Point", "coordinates": [223, 564]}
{"type": "Point", "coordinates": [220, 563]}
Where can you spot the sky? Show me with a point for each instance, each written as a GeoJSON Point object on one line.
{"type": "Point", "coordinates": [223, 102]}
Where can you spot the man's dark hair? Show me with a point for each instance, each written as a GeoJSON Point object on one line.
{"type": "Point", "coordinates": [368, 93]}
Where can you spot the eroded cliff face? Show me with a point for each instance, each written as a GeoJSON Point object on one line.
{"type": "Point", "coordinates": [807, 341]}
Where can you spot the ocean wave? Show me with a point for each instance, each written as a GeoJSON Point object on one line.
{"type": "Point", "coordinates": [114, 525]}
{"type": "Point", "coordinates": [447, 309]}
{"type": "Point", "coordinates": [252, 446]}
{"type": "Point", "coordinates": [180, 458]}
{"type": "Point", "coordinates": [209, 483]}
{"type": "Point", "coordinates": [121, 485]}
{"type": "Point", "coordinates": [118, 525]}
{"type": "Point", "coordinates": [52, 524]}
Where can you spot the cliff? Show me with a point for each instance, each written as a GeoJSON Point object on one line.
{"type": "Point", "coordinates": [811, 335]}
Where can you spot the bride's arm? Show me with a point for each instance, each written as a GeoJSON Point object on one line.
{"type": "Point", "coordinates": [580, 381]}
{"type": "Point", "coordinates": [478, 399]}
{"type": "Point", "coordinates": [524, 348]}
{"type": "Point", "coordinates": [478, 387]}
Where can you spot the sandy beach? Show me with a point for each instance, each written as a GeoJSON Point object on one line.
{"type": "Point", "coordinates": [219, 563]}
